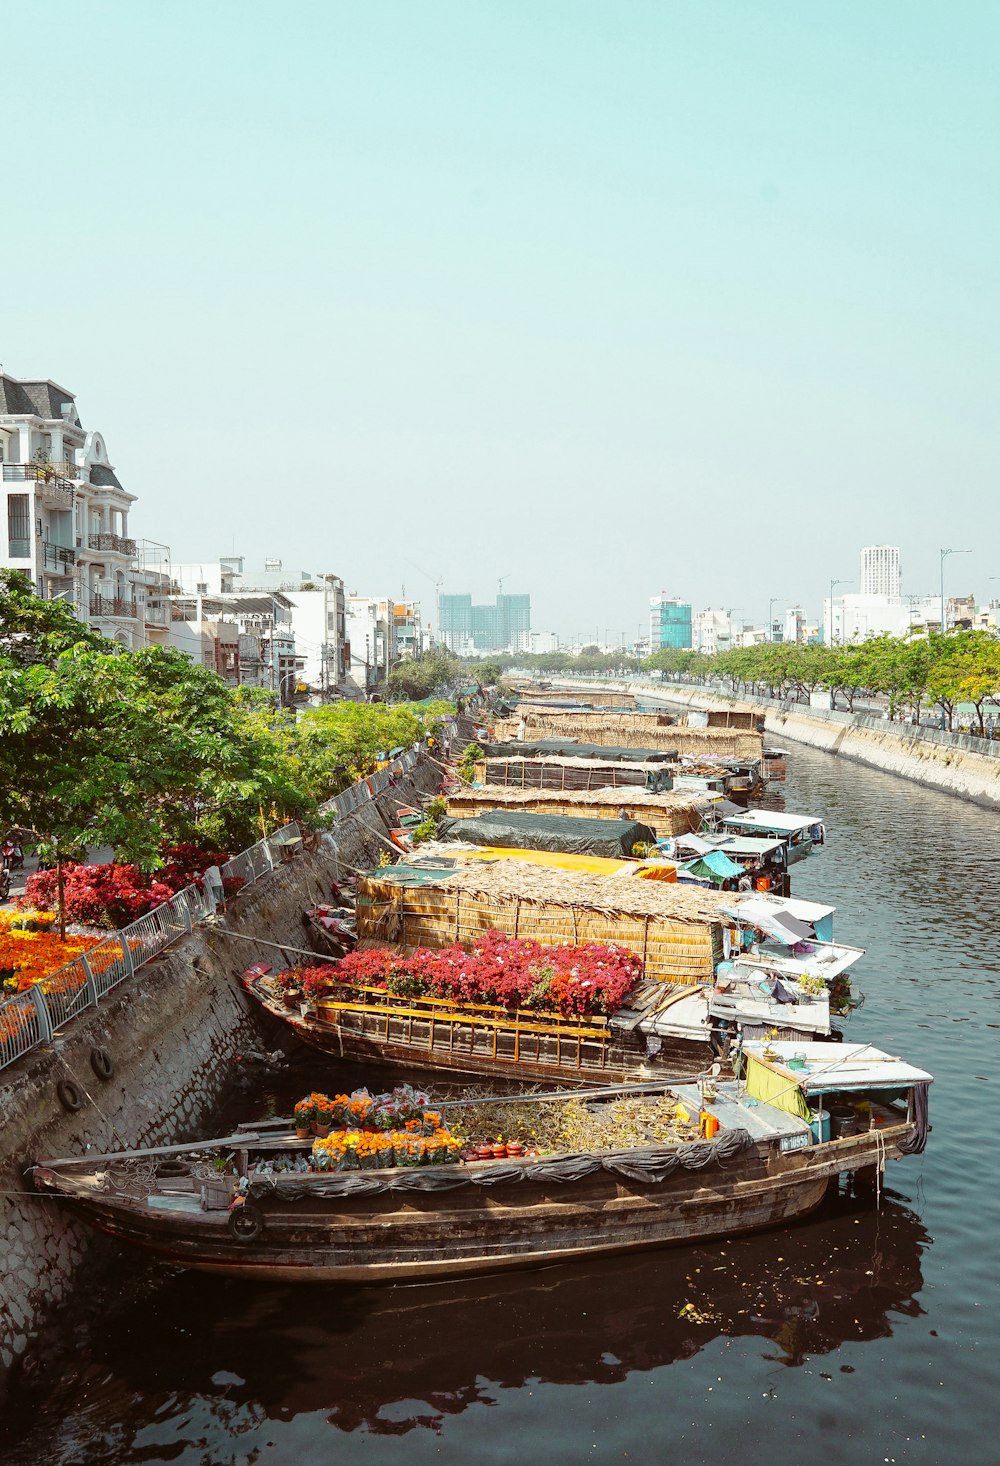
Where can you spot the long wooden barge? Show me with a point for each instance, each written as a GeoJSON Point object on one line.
{"type": "Point", "coordinates": [764, 1167]}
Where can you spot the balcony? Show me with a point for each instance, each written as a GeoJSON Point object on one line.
{"type": "Point", "coordinates": [56, 557]}
{"type": "Point", "coordinates": [105, 606]}
{"type": "Point", "coordinates": [54, 480]}
{"type": "Point", "coordinates": [115, 542]}
{"type": "Point", "coordinates": [156, 615]}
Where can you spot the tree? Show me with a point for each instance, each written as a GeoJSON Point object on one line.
{"type": "Point", "coordinates": [967, 669]}
{"type": "Point", "coordinates": [433, 673]}
{"type": "Point", "coordinates": [343, 742]}
{"type": "Point", "coordinates": [137, 750]}
{"type": "Point", "coordinates": [36, 630]}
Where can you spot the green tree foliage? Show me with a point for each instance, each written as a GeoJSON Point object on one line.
{"type": "Point", "coordinates": [419, 679]}
{"type": "Point", "coordinates": [342, 742]}
{"type": "Point", "coordinates": [137, 750]}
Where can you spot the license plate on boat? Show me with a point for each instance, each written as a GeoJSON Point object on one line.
{"type": "Point", "coordinates": [796, 1142]}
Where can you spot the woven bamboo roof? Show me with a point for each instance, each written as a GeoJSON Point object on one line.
{"type": "Point", "coordinates": [660, 767]}
{"type": "Point", "coordinates": [503, 794]}
{"type": "Point", "coordinates": [509, 879]}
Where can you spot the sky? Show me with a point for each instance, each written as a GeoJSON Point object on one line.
{"type": "Point", "coordinates": [602, 299]}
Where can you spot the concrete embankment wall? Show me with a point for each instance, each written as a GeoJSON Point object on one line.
{"type": "Point", "coordinates": [937, 761]}
{"type": "Point", "coordinates": [173, 1031]}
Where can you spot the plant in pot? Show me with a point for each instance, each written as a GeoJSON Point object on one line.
{"type": "Point", "coordinates": [305, 1114]}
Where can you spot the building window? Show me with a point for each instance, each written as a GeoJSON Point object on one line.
{"type": "Point", "coordinates": [18, 527]}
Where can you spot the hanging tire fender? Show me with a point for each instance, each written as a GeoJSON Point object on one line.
{"type": "Point", "coordinates": [245, 1221]}
{"type": "Point", "coordinates": [102, 1064]}
{"type": "Point", "coordinates": [70, 1095]}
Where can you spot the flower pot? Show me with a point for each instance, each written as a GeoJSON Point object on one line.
{"type": "Point", "coordinates": [302, 1132]}
{"type": "Point", "coordinates": [291, 1000]}
{"type": "Point", "coordinates": [322, 1131]}
{"type": "Point", "coordinates": [499, 1152]}
{"type": "Point", "coordinates": [515, 1148]}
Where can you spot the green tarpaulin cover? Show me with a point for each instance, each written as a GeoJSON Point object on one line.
{"type": "Point", "coordinates": [516, 830]}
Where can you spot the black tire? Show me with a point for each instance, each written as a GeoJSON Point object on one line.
{"type": "Point", "coordinates": [245, 1222]}
{"type": "Point", "coordinates": [102, 1064]}
{"type": "Point", "coordinates": [4, 884]}
{"type": "Point", "coordinates": [169, 1169]}
{"type": "Point", "coordinates": [70, 1095]}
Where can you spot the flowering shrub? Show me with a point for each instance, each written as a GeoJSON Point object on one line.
{"type": "Point", "coordinates": [114, 895]}
{"type": "Point", "coordinates": [27, 956]}
{"type": "Point", "coordinates": [508, 972]}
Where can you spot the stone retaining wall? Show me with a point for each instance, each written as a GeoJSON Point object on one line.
{"type": "Point", "coordinates": [943, 763]}
{"type": "Point", "coordinates": [173, 1031]}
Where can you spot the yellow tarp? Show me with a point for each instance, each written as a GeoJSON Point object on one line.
{"type": "Point", "coordinates": [557, 859]}
{"type": "Point", "coordinates": [774, 1089]}
{"type": "Point", "coordinates": [596, 865]}
{"type": "Point", "coordinates": [660, 870]}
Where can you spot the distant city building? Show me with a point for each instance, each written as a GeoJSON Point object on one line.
{"type": "Point", "coordinates": [315, 606]}
{"type": "Point", "coordinates": [411, 635]}
{"type": "Point", "coordinates": [371, 636]}
{"type": "Point", "coordinates": [669, 623]}
{"type": "Point", "coordinates": [712, 632]}
{"type": "Point", "coordinates": [541, 642]}
{"type": "Point", "coordinates": [67, 513]}
{"type": "Point", "coordinates": [795, 625]}
{"type": "Point", "coordinates": [469, 630]}
{"type": "Point", "coordinates": [880, 573]}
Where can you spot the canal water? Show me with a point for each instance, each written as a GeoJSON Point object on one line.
{"type": "Point", "coordinates": [862, 1335]}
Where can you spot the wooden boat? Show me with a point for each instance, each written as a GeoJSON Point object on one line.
{"type": "Point", "coordinates": [370, 1025]}
{"type": "Point", "coordinates": [763, 1167]}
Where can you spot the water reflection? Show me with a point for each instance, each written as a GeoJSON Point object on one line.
{"type": "Point", "coordinates": [220, 1359]}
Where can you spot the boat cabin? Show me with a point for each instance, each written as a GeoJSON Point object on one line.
{"type": "Point", "coordinates": [801, 833]}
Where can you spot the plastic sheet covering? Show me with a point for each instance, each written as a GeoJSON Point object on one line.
{"type": "Point", "coordinates": [774, 1089]}
{"type": "Point", "coordinates": [567, 748]}
{"type": "Point", "coordinates": [574, 834]}
{"type": "Point", "coordinates": [648, 1167]}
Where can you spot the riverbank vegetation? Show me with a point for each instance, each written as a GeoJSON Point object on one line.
{"type": "Point", "coordinates": [909, 673]}
{"type": "Point", "coordinates": [143, 751]}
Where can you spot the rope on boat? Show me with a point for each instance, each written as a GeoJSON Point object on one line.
{"type": "Point", "coordinates": [647, 1167]}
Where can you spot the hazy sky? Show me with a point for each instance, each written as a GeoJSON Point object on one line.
{"type": "Point", "coordinates": [604, 298]}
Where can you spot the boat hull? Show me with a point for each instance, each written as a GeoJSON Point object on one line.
{"type": "Point", "coordinates": [374, 1038]}
{"type": "Point", "coordinates": [479, 1228]}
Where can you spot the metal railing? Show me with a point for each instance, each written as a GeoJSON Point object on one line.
{"type": "Point", "coordinates": [56, 557]}
{"type": "Point", "coordinates": [41, 473]}
{"type": "Point", "coordinates": [114, 542]}
{"type": "Point", "coordinates": [31, 1018]}
{"type": "Point", "coordinates": [113, 606]}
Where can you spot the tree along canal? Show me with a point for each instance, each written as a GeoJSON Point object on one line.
{"type": "Point", "coordinates": [860, 1335]}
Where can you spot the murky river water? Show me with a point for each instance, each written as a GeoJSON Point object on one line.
{"type": "Point", "coordinates": [858, 1336]}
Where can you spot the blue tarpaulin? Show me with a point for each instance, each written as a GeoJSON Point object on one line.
{"type": "Point", "coordinates": [715, 865]}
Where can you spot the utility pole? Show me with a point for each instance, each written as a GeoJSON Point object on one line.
{"type": "Point", "coordinates": [832, 584]}
{"type": "Point", "coordinates": [944, 612]}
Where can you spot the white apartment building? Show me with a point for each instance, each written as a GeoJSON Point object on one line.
{"type": "Point", "coordinates": [795, 624]}
{"type": "Point", "coordinates": [67, 513]}
{"type": "Point", "coordinates": [371, 639]}
{"type": "Point", "coordinates": [314, 602]}
{"type": "Point", "coordinates": [542, 642]}
{"type": "Point", "coordinates": [880, 572]}
{"type": "Point", "coordinates": [712, 632]}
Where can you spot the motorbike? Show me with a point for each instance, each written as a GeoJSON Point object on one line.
{"type": "Point", "coordinates": [12, 853]}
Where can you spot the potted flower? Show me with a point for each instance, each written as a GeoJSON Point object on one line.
{"type": "Point", "coordinates": [305, 1114]}
{"type": "Point", "coordinates": [323, 1116]}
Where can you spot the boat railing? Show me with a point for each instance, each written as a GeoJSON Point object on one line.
{"type": "Point", "coordinates": [30, 1018]}
{"type": "Point", "coordinates": [456, 1029]}
{"type": "Point", "coordinates": [380, 996]}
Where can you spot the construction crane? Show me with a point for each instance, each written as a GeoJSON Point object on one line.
{"type": "Point", "coordinates": [500, 581]}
